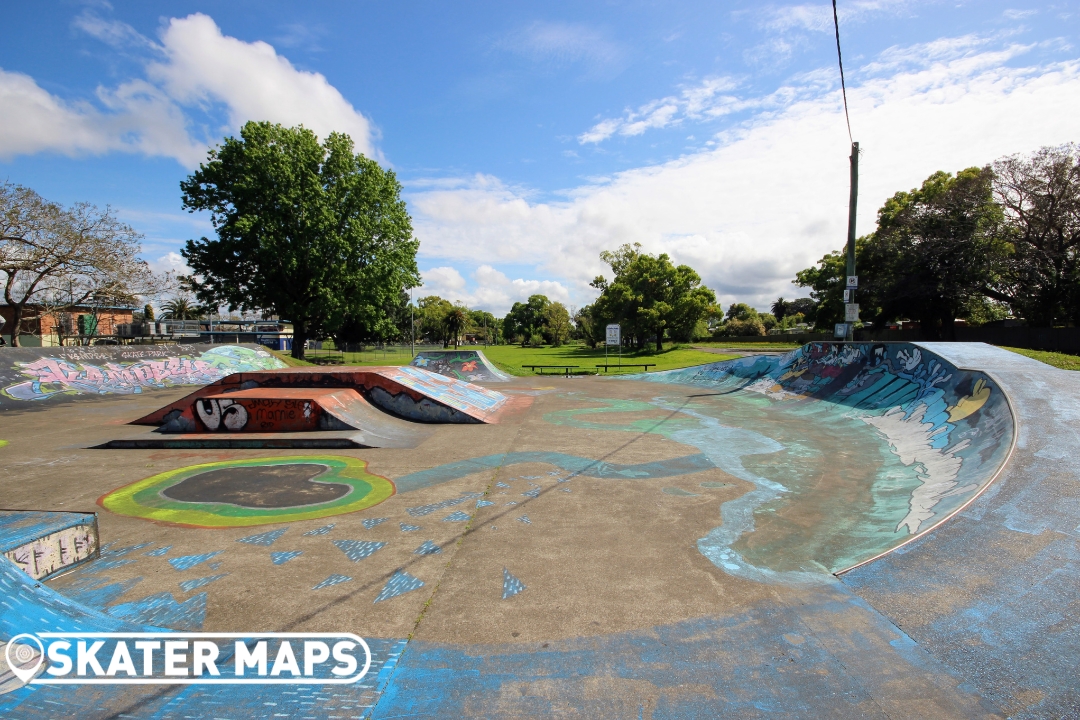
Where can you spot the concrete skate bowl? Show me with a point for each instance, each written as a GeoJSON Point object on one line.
{"type": "Point", "coordinates": [467, 365]}
{"type": "Point", "coordinates": [850, 450]}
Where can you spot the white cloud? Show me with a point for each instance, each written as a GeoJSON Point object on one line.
{"type": "Point", "coordinates": [771, 198]}
{"type": "Point", "coordinates": [818, 17]}
{"type": "Point", "coordinates": [252, 80]}
{"type": "Point", "coordinates": [170, 262]}
{"type": "Point", "coordinates": [194, 67]}
{"type": "Point", "coordinates": [562, 44]}
{"type": "Point", "coordinates": [490, 290]}
{"type": "Point", "coordinates": [708, 99]}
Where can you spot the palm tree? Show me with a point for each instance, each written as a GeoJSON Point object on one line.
{"type": "Point", "coordinates": [180, 308]}
{"type": "Point", "coordinates": [455, 322]}
{"type": "Point", "coordinates": [779, 309]}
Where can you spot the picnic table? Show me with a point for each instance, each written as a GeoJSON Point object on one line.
{"type": "Point", "coordinates": [627, 365]}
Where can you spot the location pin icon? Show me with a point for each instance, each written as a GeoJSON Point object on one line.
{"type": "Point", "coordinates": [24, 654]}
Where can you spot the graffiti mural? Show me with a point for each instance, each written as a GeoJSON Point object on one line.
{"type": "Point", "coordinates": [473, 400]}
{"type": "Point", "coordinates": [467, 365]}
{"type": "Point", "coordinates": [906, 438]}
{"type": "Point", "coordinates": [259, 491]}
{"type": "Point", "coordinates": [42, 544]}
{"type": "Point", "coordinates": [124, 370]}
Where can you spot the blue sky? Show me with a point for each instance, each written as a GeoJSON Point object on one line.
{"type": "Point", "coordinates": [532, 136]}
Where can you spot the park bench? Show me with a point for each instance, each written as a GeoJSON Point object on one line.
{"type": "Point", "coordinates": [625, 365]}
{"type": "Point", "coordinates": [565, 368]}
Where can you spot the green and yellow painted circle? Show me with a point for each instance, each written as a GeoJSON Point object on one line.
{"type": "Point", "coordinates": [144, 499]}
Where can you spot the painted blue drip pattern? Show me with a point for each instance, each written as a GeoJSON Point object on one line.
{"type": "Point", "coordinates": [186, 562]}
{"type": "Point", "coordinates": [401, 583]}
{"type": "Point", "coordinates": [331, 581]}
{"type": "Point", "coordinates": [511, 585]}
{"type": "Point", "coordinates": [428, 548]}
{"type": "Point", "coordinates": [189, 585]}
{"type": "Point", "coordinates": [265, 539]}
{"type": "Point", "coordinates": [357, 550]}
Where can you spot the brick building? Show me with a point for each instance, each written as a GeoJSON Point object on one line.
{"type": "Point", "coordinates": [46, 329]}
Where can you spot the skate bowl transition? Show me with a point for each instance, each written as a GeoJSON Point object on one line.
{"type": "Point", "coordinates": [468, 365]}
{"type": "Point", "coordinates": [847, 530]}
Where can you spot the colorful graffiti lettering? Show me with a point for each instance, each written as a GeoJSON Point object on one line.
{"type": "Point", "coordinates": [52, 376]}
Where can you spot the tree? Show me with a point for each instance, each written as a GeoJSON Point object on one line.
{"type": "Point", "coordinates": [586, 326]}
{"type": "Point", "coordinates": [313, 231]}
{"type": "Point", "coordinates": [526, 319]}
{"type": "Point", "coordinates": [1040, 197]}
{"type": "Point", "coordinates": [55, 259]}
{"type": "Point", "coordinates": [649, 296]}
{"type": "Point", "coordinates": [485, 323]}
{"type": "Point", "coordinates": [455, 320]}
{"type": "Point", "coordinates": [826, 283]}
{"type": "Point", "coordinates": [779, 309]}
{"type": "Point", "coordinates": [180, 308]}
{"type": "Point", "coordinates": [431, 318]}
{"type": "Point", "coordinates": [398, 325]}
{"type": "Point", "coordinates": [557, 323]}
{"type": "Point", "coordinates": [934, 250]}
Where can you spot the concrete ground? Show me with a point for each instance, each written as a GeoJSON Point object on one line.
{"type": "Point", "coordinates": [551, 568]}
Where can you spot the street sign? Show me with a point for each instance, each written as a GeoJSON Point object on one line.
{"type": "Point", "coordinates": [614, 335]}
{"type": "Point", "coordinates": [840, 330]}
{"type": "Point", "coordinates": [849, 295]}
{"type": "Point", "coordinates": [851, 312]}
{"type": "Point", "coordinates": [853, 281]}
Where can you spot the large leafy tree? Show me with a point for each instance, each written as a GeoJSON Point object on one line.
{"type": "Point", "coordinates": [934, 254]}
{"type": "Point", "coordinates": [557, 323]}
{"type": "Point", "coordinates": [54, 259]}
{"type": "Point", "coordinates": [312, 231]}
{"type": "Point", "coordinates": [649, 295]}
{"type": "Point", "coordinates": [1040, 197]}
{"type": "Point", "coordinates": [431, 312]}
{"type": "Point", "coordinates": [826, 283]}
{"type": "Point", "coordinates": [526, 319]}
{"type": "Point", "coordinates": [935, 249]}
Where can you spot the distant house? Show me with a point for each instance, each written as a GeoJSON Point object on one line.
{"type": "Point", "coordinates": [45, 328]}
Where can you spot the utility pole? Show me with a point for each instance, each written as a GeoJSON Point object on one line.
{"type": "Point", "coordinates": [412, 324]}
{"type": "Point", "coordinates": [851, 308]}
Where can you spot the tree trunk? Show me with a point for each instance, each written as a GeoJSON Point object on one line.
{"type": "Point", "coordinates": [300, 338]}
{"type": "Point", "coordinates": [659, 339]}
{"type": "Point", "coordinates": [16, 324]}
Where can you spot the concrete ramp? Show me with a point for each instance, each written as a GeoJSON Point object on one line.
{"type": "Point", "coordinates": [280, 417]}
{"type": "Point", "coordinates": [468, 365]}
{"type": "Point", "coordinates": [317, 408]}
{"type": "Point", "coordinates": [409, 393]}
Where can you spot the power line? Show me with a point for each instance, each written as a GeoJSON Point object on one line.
{"type": "Point", "coordinates": [840, 58]}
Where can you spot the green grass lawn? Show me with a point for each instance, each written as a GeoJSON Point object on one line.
{"type": "Point", "coordinates": [511, 358]}
{"type": "Point", "coordinates": [1058, 360]}
{"type": "Point", "coordinates": [736, 344]}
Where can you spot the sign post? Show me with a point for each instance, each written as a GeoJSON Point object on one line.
{"type": "Point", "coordinates": [614, 337]}
{"type": "Point", "coordinates": [851, 308]}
